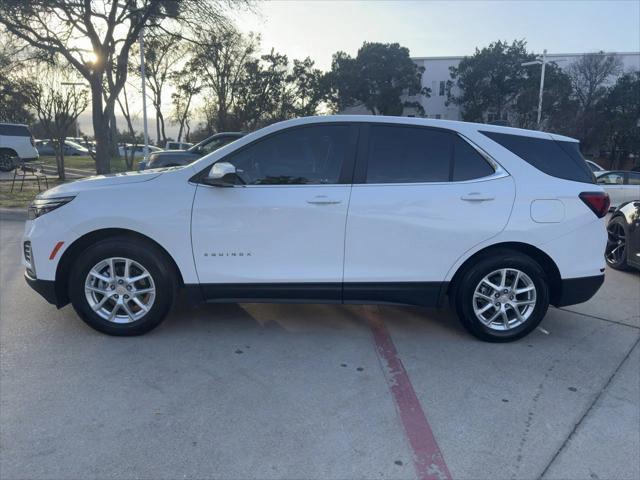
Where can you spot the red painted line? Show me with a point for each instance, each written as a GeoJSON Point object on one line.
{"type": "Point", "coordinates": [427, 457]}
{"type": "Point", "coordinates": [55, 250]}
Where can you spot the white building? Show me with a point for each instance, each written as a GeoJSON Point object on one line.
{"type": "Point", "coordinates": [436, 74]}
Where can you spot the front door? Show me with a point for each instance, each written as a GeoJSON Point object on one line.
{"type": "Point", "coordinates": [280, 235]}
{"type": "Point", "coordinates": [423, 198]}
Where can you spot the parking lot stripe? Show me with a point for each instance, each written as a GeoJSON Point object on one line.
{"type": "Point", "coordinates": [427, 457]}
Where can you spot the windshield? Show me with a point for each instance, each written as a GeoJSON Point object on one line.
{"type": "Point", "coordinates": [74, 145]}
{"type": "Point", "coordinates": [212, 144]}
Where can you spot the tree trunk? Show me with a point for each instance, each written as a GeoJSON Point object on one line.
{"type": "Point", "coordinates": [100, 129]}
{"type": "Point", "coordinates": [157, 127]}
{"type": "Point", "coordinates": [113, 135]}
{"type": "Point", "coordinates": [60, 159]}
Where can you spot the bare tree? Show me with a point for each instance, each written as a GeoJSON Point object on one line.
{"type": "Point", "coordinates": [162, 55]}
{"type": "Point", "coordinates": [58, 108]}
{"type": "Point", "coordinates": [123, 103]}
{"type": "Point", "coordinates": [111, 27]}
{"type": "Point", "coordinates": [187, 85]}
{"type": "Point", "coordinates": [590, 76]}
{"type": "Point", "coordinates": [220, 58]}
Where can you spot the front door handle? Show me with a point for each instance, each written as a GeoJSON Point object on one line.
{"type": "Point", "coordinates": [476, 197]}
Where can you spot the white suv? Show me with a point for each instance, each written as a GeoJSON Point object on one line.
{"type": "Point", "coordinates": [343, 209]}
{"type": "Point", "coordinates": [16, 144]}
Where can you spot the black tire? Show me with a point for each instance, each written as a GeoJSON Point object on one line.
{"type": "Point", "coordinates": [6, 162]}
{"type": "Point", "coordinates": [615, 253]}
{"type": "Point", "coordinates": [463, 294]}
{"type": "Point", "coordinates": [145, 254]}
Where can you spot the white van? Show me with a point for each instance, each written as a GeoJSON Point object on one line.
{"type": "Point", "coordinates": [16, 144]}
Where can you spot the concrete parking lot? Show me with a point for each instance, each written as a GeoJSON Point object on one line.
{"type": "Point", "coordinates": [316, 391]}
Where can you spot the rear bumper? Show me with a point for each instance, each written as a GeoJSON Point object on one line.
{"type": "Point", "coordinates": [578, 290]}
{"type": "Point", "coordinates": [46, 288]}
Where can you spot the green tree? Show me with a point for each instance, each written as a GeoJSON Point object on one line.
{"type": "Point", "coordinates": [490, 80]}
{"type": "Point", "coordinates": [265, 95]}
{"type": "Point", "coordinates": [308, 87]}
{"type": "Point", "coordinates": [620, 111]}
{"type": "Point", "coordinates": [14, 89]}
{"type": "Point", "coordinates": [382, 77]}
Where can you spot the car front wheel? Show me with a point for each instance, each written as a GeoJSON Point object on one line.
{"type": "Point", "coordinates": [502, 297]}
{"type": "Point", "coordinates": [6, 162]}
{"type": "Point", "coordinates": [121, 287]}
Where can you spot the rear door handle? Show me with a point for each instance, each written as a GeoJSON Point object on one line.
{"type": "Point", "coordinates": [324, 202]}
{"type": "Point", "coordinates": [476, 197]}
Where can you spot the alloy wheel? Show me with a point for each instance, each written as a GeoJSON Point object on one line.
{"type": "Point", "coordinates": [616, 244]}
{"type": "Point", "coordinates": [120, 290]}
{"type": "Point", "coordinates": [504, 299]}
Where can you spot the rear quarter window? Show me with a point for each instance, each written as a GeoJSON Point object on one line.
{"type": "Point", "coordinates": [14, 130]}
{"type": "Point", "coordinates": [556, 158]}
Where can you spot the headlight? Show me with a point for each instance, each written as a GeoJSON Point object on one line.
{"type": "Point", "coordinates": [40, 206]}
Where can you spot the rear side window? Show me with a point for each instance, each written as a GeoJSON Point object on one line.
{"type": "Point", "coordinates": [408, 155]}
{"type": "Point", "coordinates": [555, 158]}
{"type": "Point", "coordinates": [399, 154]}
{"type": "Point", "coordinates": [14, 130]}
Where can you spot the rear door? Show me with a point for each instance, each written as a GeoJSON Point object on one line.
{"type": "Point", "coordinates": [422, 197]}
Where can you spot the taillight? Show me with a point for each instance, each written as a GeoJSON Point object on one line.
{"type": "Point", "coordinates": [598, 202]}
{"type": "Point", "coordinates": [33, 141]}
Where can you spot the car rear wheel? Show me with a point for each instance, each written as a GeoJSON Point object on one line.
{"type": "Point", "coordinates": [122, 287]}
{"type": "Point", "coordinates": [502, 297]}
{"type": "Point", "coordinates": [616, 250]}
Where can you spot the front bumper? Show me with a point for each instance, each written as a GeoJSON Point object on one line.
{"type": "Point", "coordinates": [578, 290]}
{"type": "Point", "coordinates": [46, 288]}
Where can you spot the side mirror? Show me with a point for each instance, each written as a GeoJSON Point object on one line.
{"type": "Point", "coordinates": [222, 174]}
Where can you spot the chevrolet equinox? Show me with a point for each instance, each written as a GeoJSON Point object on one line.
{"type": "Point", "coordinates": [338, 209]}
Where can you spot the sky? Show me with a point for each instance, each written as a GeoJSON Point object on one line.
{"type": "Point", "coordinates": [319, 28]}
{"type": "Point", "coordinates": [441, 28]}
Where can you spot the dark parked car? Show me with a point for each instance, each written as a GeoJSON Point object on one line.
{"type": "Point", "coordinates": [174, 158]}
{"type": "Point", "coordinates": [623, 244]}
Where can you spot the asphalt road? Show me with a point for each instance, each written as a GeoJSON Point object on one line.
{"type": "Point", "coordinates": [316, 391]}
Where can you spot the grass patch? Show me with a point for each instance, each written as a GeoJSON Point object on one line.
{"type": "Point", "coordinates": [87, 163]}
{"type": "Point", "coordinates": [21, 199]}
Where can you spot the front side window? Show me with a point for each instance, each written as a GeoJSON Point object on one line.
{"type": "Point", "coordinates": [298, 156]}
{"type": "Point", "coordinates": [421, 155]}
